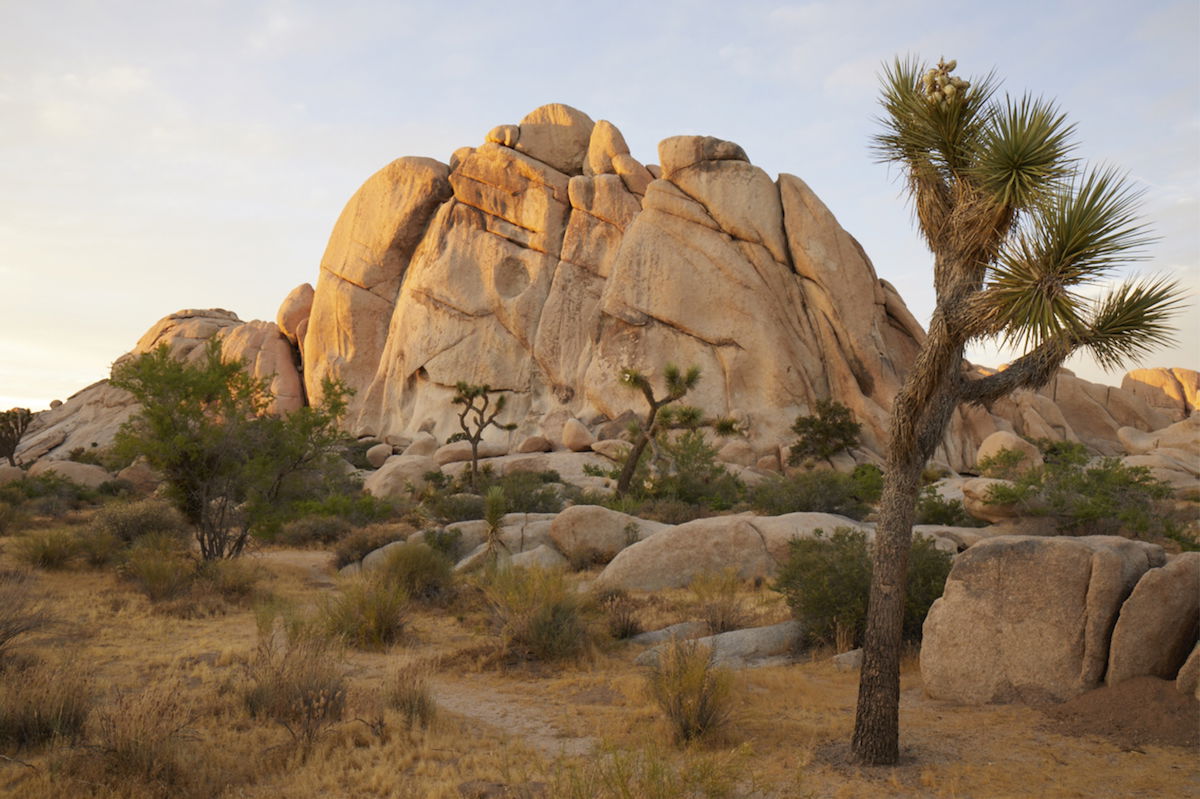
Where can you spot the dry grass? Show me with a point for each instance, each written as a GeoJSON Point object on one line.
{"type": "Point", "coordinates": [692, 692]}
{"type": "Point", "coordinates": [560, 728]}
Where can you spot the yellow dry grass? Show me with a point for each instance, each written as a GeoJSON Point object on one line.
{"type": "Point", "coordinates": [528, 726]}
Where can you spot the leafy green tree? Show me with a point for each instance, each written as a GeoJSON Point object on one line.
{"type": "Point", "coordinates": [1019, 232]}
{"type": "Point", "coordinates": [13, 424]}
{"type": "Point", "coordinates": [474, 418]}
{"type": "Point", "coordinates": [227, 463]}
{"type": "Point", "coordinates": [825, 433]}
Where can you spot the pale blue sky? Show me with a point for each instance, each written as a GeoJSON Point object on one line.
{"type": "Point", "coordinates": [156, 156]}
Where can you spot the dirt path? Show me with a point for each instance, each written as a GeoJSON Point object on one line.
{"type": "Point", "coordinates": [540, 726]}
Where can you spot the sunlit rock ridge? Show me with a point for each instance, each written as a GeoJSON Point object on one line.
{"type": "Point", "coordinates": [548, 259]}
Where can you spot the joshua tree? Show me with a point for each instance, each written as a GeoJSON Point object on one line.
{"type": "Point", "coordinates": [659, 417]}
{"type": "Point", "coordinates": [474, 417]}
{"type": "Point", "coordinates": [1018, 231]}
{"type": "Point", "coordinates": [13, 424]}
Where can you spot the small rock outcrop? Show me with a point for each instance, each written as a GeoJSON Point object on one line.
{"type": "Point", "coordinates": [1029, 619]}
{"type": "Point", "coordinates": [1159, 623]}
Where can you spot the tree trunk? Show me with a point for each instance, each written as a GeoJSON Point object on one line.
{"type": "Point", "coordinates": [12, 461]}
{"type": "Point", "coordinates": [877, 722]}
{"type": "Point", "coordinates": [631, 463]}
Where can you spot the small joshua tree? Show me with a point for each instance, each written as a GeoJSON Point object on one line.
{"type": "Point", "coordinates": [13, 424]}
{"type": "Point", "coordinates": [825, 433]}
{"type": "Point", "coordinates": [474, 417]}
{"type": "Point", "coordinates": [684, 417]}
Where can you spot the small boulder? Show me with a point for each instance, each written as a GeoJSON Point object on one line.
{"type": "Point", "coordinates": [9, 474]}
{"type": "Point", "coordinates": [576, 437]}
{"type": "Point", "coordinates": [141, 475]}
{"type": "Point", "coordinates": [1188, 681]}
{"type": "Point", "coordinates": [737, 649]}
{"type": "Point", "coordinates": [422, 444]}
{"type": "Point", "coordinates": [541, 557]}
{"type": "Point", "coordinates": [1002, 440]}
{"type": "Point", "coordinates": [848, 661]}
{"type": "Point", "coordinates": [399, 476]}
{"type": "Point", "coordinates": [594, 534]}
{"type": "Point", "coordinates": [975, 499]}
{"type": "Point", "coordinates": [533, 444]}
{"type": "Point", "coordinates": [460, 451]}
{"type": "Point", "coordinates": [85, 474]}
{"type": "Point", "coordinates": [738, 452]}
{"type": "Point", "coordinates": [557, 135]}
{"type": "Point", "coordinates": [682, 630]}
{"type": "Point", "coordinates": [612, 448]}
{"type": "Point", "coordinates": [378, 455]}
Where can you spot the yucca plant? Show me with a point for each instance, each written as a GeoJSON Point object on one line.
{"type": "Point", "coordinates": [1019, 232]}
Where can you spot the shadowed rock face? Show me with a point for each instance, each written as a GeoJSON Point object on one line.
{"type": "Point", "coordinates": [548, 259]}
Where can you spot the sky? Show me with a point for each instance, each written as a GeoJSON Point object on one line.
{"type": "Point", "coordinates": [158, 156]}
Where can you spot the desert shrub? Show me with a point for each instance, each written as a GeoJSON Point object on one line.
{"type": "Point", "coordinates": [40, 703]}
{"type": "Point", "coordinates": [827, 580]}
{"type": "Point", "coordinates": [99, 549]}
{"type": "Point", "coordinates": [159, 567]}
{"type": "Point", "coordinates": [369, 612]}
{"type": "Point", "coordinates": [313, 530]}
{"type": "Point", "coordinates": [144, 738]}
{"type": "Point", "coordinates": [716, 600]}
{"type": "Point", "coordinates": [407, 690]}
{"type": "Point", "coordinates": [670, 511]}
{"type": "Point", "coordinates": [456, 507]}
{"type": "Point", "coordinates": [357, 509]}
{"type": "Point", "coordinates": [1006, 464]}
{"type": "Point", "coordinates": [932, 508]}
{"type": "Point", "coordinates": [816, 490]}
{"type": "Point", "coordinates": [47, 494]}
{"type": "Point", "coordinates": [424, 573]}
{"type": "Point", "coordinates": [526, 492]}
{"type": "Point", "coordinates": [447, 541]}
{"type": "Point", "coordinates": [235, 581]}
{"type": "Point", "coordinates": [355, 453]}
{"type": "Point", "coordinates": [688, 471]}
{"type": "Point", "coordinates": [646, 773]}
{"type": "Point", "coordinates": [130, 521]}
{"type": "Point", "coordinates": [620, 614]}
{"type": "Point", "coordinates": [692, 692]}
{"type": "Point", "coordinates": [1085, 497]}
{"type": "Point", "coordinates": [11, 518]}
{"type": "Point", "coordinates": [827, 432]}
{"type": "Point", "coordinates": [21, 610]}
{"type": "Point", "coordinates": [541, 617]}
{"type": "Point", "coordinates": [295, 679]}
{"type": "Point", "coordinates": [51, 549]}
{"type": "Point", "coordinates": [363, 541]}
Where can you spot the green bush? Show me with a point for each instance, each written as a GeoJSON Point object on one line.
{"type": "Point", "coordinates": [689, 472]}
{"type": "Point", "coordinates": [816, 490]}
{"type": "Point", "coordinates": [50, 549]}
{"type": "Point", "coordinates": [370, 612]}
{"type": "Point", "coordinates": [46, 495]}
{"type": "Point", "coordinates": [313, 530]}
{"type": "Point", "coordinates": [1086, 497]}
{"type": "Point", "coordinates": [526, 492]}
{"type": "Point", "coordinates": [457, 507]}
{"type": "Point", "coordinates": [933, 509]}
{"type": "Point", "coordinates": [669, 511]}
{"type": "Point", "coordinates": [692, 692]}
{"type": "Point", "coordinates": [447, 541]}
{"type": "Point", "coordinates": [827, 432]}
{"type": "Point", "coordinates": [99, 549]}
{"type": "Point", "coordinates": [359, 543]}
{"type": "Point", "coordinates": [130, 521]}
{"type": "Point", "coordinates": [827, 580]}
{"type": "Point", "coordinates": [424, 573]}
{"type": "Point", "coordinates": [356, 509]}
{"type": "Point", "coordinates": [541, 616]}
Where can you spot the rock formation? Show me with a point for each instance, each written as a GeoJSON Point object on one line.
{"type": "Point", "coordinates": [548, 259]}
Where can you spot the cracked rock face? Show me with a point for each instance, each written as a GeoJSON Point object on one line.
{"type": "Point", "coordinates": [548, 259]}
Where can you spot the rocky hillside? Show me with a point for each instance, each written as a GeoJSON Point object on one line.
{"type": "Point", "coordinates": [548, 259]}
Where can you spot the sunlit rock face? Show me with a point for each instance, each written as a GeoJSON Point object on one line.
{"type": "Point", "coordinates": [547, 259]}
